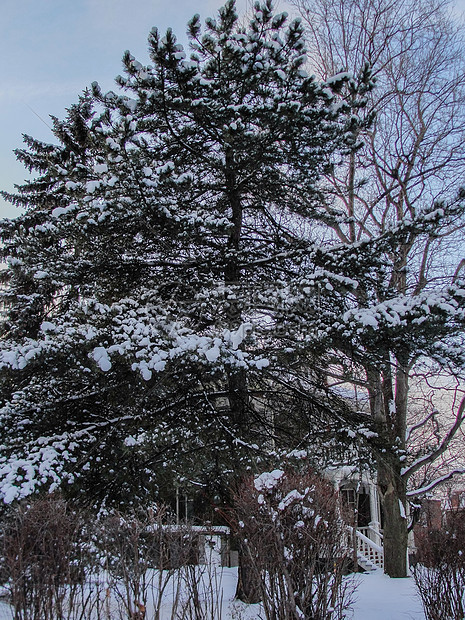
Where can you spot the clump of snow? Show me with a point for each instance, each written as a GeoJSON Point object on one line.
{"type": "Point", "coordinates": [268, 480]}
{"type": "Point", "coordinates": [100, 168]}
{"type": "Point", "coordinates": [57, 211]}
{"type": "Point", "coordinates": [237, 337]}
{"type": "Point", "coordinates": [47, 326]}
{"type": "Point", "coordinates": [100, 355]}
{"type": "Point", "coordinates": [402, 510]}
{"type": "Point", "coordinates": [261, 363]}
{"type": "Point", "coordinates": [338, 77]}
{"type": "Point", "coordinates": [130, 441]}
{"type": "Point", "coordinates": [297, 454]}
{"type": "Point", "coordinates": [68, 185]}
{"type": "Point", "coordinates": [91, 186]}
{"type": "Point", "coordinates": [212, 354]}
{"type": "Point", "coordinates": [292, 496]}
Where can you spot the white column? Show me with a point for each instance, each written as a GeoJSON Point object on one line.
{"type": "Point", "coordinates": [375, 522]}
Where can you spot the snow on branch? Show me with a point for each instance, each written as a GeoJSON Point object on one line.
{"type": "Point", "coordinates": [432, 485]}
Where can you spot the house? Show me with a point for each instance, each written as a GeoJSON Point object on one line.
{"type": "Point", "coordinates": [359, 495]}
{"type": "Point", "coordinates": [362, 509]}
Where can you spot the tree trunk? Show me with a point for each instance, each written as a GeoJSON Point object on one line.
{"type": "Point", "coordinates": [389, 410]}
{"type": "Point", "coordinates": [393, 493]}
{"type": "Point", "coordinates": [248, 585]}
{"type": "Point", "coordinates": [248, 588]}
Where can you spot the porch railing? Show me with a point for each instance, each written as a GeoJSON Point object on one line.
{"type": "Point", "coordinates": [368, 548]}
{"type": "Point", "coordinates": [375, 535]}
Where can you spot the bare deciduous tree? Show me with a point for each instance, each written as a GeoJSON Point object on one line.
{"type": "Point", "coordinates": [410, 161]}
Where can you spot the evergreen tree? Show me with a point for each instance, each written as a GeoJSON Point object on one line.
{"type": "Point", "coordinates": [175, 297]}
{"type": "Point", "coordinates": [165, 240]}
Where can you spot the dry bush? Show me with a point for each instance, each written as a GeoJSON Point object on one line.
{"type": "Point", "coordinates": [146, 555]}
{"type": "Point", "coordinates": [439, 571]}
{"type": "Point", "coordinates": [140, 558]}
{"type": "Point", "coordinates": [297, 546]}
{"type": "Point", "coordinates": [202, 585]}
{"type": "Point", "coordinates": [61, 564]}
{"type": "Point", "coordinates": [47, 562]}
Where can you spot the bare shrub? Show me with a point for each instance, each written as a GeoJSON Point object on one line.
{"type": "Point", "coordinates": [133, 549]}
{"type": "Point", "coordinates": [297, 545]}
{"type": "Point", "coordinates": [145, 554]}
{"type": "Point", "coordinates": [439, 572]}
{"type": "Point", "coordinates": [47, 562]}
{"type": "Point", "coordinates": [61, 564]}
{"type": "Point", "coordinates": [202, 584]}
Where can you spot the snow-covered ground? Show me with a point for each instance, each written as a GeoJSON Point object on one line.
{"type": "Point", "coordinates": [378, 598]}
{"type": "Point", "coordinates": [382, 598]}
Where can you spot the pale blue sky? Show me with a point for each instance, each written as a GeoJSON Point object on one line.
{"type": "Point", "coordinates": [50, 50]}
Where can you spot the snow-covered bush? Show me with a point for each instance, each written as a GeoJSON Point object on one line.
{"type": "Point", "coordinates": [439, 572]}
{"type": "Point", "coordinates": [296, 544]}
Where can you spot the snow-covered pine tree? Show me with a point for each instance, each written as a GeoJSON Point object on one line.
{"type": "Point", "coordinates": [164, 239]}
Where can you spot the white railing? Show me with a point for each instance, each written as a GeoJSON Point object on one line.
{"type": "Point", "coordinates": [375, 535]}
{"type": "Point", "coordinates": [369, 549]}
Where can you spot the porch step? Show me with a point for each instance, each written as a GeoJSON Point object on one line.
{"type": "Point", "coordinates": [365, 564]}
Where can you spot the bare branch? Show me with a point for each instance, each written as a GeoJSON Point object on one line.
{"type": "Point", "coordinates": [433, 456]}
{"type": "Point", "coordinates": [435, 483]}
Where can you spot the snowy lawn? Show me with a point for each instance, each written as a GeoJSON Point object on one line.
{"type": "Point", "coordinates": [381, 598]}
{"type": "Point", "coordinates": [378, 598]}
